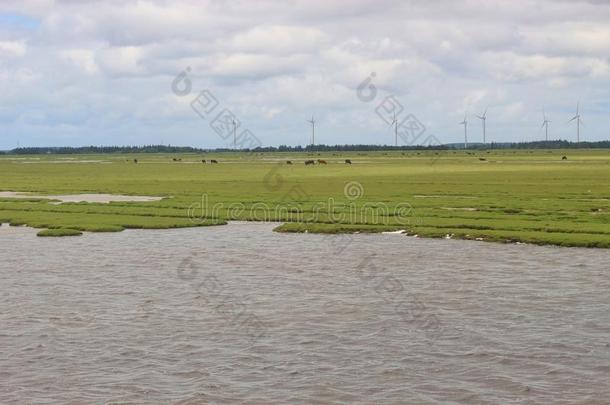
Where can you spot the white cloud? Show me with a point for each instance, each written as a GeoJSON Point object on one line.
{"type": "Point", "coordinates": [84, 59]}
{"type": "Point", "coordinates": [123, 60]}
{"type": "Point", "coordinates": [278, 39]}
{"type": "Point", "coordinates": [277, 62]}
{"type": "Point", "coordinates": [12, 49]}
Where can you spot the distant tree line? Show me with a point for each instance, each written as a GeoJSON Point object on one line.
{"type": "Point", "coordinates": [537, 145]}
{"type": "Point", "coordinates": [67, 150]}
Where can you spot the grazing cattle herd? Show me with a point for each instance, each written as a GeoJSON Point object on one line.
{"type": "Point", "coordinates": [312, 162]}
{"type": "Point", "coordinates": [288, 162]}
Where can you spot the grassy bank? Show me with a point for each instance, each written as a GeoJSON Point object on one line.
{"type": "Point", "coordinates": [526, 196]}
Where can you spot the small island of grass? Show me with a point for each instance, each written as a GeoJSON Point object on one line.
{"type": "Point", "coordinates": [59, 232]}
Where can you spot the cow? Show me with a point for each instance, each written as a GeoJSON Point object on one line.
{"type": "Point", "coordinates": [135, 161]}
{"type": "Point", "coordinates": [309, 162]}
{"type": "Point", "coordinates": [288, 162]}
{"type": "Point", "coordinates": [564, 158]}
{"type": "Point", "coordinates": [321, 162]}
{"type": "Point", "coordinates": [213, 161]}
{"type": "Point", "coordinates": [482, 159]}
{"type": "Point", "coordinates": [203, 161]}
{"type": "Point", "coordinates": [348, 162]}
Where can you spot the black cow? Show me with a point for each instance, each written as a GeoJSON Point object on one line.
{"type": "Point", "coordinates": [213, 161]}
{"type": "Point", "coordinates": [309, 162]}
{"type": "Point", "coordinates": [348, 162]}
{"type": "Point", "coordinates": [202, 160]}
{"type": "Point", "coordinates": [288, 162]}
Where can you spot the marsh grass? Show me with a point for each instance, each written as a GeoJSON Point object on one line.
{"type": "Point", "coordinates": [524, 196]}
{"type": "Point", "coordinates": [59, 232]}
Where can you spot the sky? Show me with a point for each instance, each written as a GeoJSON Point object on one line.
{"type": "Point", "coordinates": [76, 73]}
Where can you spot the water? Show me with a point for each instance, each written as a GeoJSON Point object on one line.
{"type": "Point", "coordinates": [241, 314]}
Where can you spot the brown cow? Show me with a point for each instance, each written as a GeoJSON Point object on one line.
{"type": "Point", "coordinates": [321, 162]}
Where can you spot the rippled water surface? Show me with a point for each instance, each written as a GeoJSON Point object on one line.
{"type": "Point", "coordinates": [241, 314]}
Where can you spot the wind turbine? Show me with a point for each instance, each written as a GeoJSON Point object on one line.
{"type": "Point", "coordinates": [313, 130]}
{"type": "Point", "coordinates": [395, 124]}
{"type": "Point", "coordinates": [578, 122]}
{"type": "Point", "coordinates": [465, 124]}
{"type": "Point", "coordinates": [545, 125]}
{"type": "Point", "coordinates": [484, 119]}
{"type": "Point", "coordinates": [234, 134]}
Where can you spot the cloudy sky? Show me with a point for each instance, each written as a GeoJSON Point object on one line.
{"type": "Point", "coordinates": [100, 73]}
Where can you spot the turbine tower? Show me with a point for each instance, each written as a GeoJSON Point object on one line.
{"type": "Point", "coordinates": [234, 134]}
{"type": "Point", "coordinates": [545, 125]}
{"type": "Point", "coordinates": [465, 124]}
{"type": "Point", "coordinates": [313, 130]}
{"type": "Point", "coordinates": [578, 122]}
{"type": "Point", "coordinates": [483, 118]}
{"type": "Point", "coordinates": [395, 124]}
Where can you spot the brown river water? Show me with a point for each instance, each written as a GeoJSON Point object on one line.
{"type": "Point", "coordinates": [240, 314]}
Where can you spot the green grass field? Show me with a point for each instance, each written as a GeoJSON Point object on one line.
{"type": "Point", "coordinates": [526, 196]}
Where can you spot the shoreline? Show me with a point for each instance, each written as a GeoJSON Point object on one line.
{"type": "Point", "coordinates": [312, 228]}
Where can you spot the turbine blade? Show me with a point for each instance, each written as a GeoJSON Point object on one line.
{"type": "Point", "coordinates": [573, 118]}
